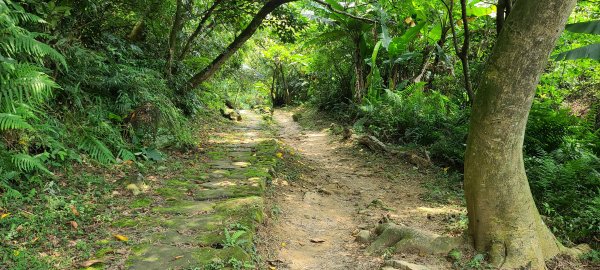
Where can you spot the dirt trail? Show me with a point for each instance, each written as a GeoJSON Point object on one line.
{"type": "Point", "coordinates": [320, 213]}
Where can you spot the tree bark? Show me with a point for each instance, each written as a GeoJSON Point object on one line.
{"type": "Point", "coordinates": [175, 29]}
{"type": "Point", "coordinates": [237, 43]}
{"type": "Point", "coordinates": [199, 29]}
{"type": "Point", "coordinates": [503, 219]}
{"type": "Point", "coordinates": [359, 71]}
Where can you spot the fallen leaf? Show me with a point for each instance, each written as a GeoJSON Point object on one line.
{"type": "Point", "coordinates": [317, 240]}
{"type": "Point", "coordinates": [4, 215]}
{"type": "Point", "coordinates": [90, 263]}
{"type": "Point", "coordinates": [74, 224]}
{"type": "Point", "coordinates": [121, 237]}
{"type": "Point", "coordinates": [74, 210]}
{"type": "Point", "coordinates": [177, 258]}
{"type": "Point", "coordinates": [280, 155]}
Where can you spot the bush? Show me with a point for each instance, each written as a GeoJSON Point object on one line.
{"type": "Point", "coordinates": [565, 187]}
{"type": "Point", "coordinates": [412, 116]}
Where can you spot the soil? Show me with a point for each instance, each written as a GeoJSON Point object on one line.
{"type": "Point", "coordinates": [342, 190]}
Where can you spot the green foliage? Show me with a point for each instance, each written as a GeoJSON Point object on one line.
{"type": "Point", "coordinates": [27, 163]}
{"type": "Point", "coordinates": [591, 51]}
{"type": "Point", "coordinates": [233, 239]}
{"type": "Point", "coordinates": [412, 116]}
{"type": "Point", "coordinates": [565, 185]}
{"type": "Point", "coordinates": [12, 121]}
{"type": "Point", "coordinates": [97, 150]}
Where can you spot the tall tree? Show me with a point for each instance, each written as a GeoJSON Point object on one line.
{"type": "Point", "coordinates": [503, 219]}
{"type": "Point", "coordinates": [237, 43]}
{"type": "Point", "coordinates": [173, 40]}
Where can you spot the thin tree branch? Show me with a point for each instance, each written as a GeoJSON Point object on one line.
{"type": "Point", "coordinates": [328, 6]}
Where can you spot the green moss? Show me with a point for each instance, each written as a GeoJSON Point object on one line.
{"type": "Point", "coordinates": [140, 249]}
{"type": "Point", "coordinates": [185, 207]}
{"type": "Point", "coordinates": [229, 192]}
{"type": "Point", "coordinates": [256, 172]}
{"type": "Point", "coordinates": [216, 154]}
{"type": "Point", "coordinates": [205, 256]}
{"type": "Point", "coordinates": [125, 223]}
{"type": "Point", "coordinates": [102, 252]}
{"type": "Point", "coordinates": [141, 203]}
{"type": "Point", "coordinates": [169, 192]}
{"type": "Point", "coordinates": [246, 211]}
{"type": "Point", "coordinates": [179, 183]}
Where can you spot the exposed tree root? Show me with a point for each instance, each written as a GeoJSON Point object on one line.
{"type": "Point", "coordinates": [406, 239]}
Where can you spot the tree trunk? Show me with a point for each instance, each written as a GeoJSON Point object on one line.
{"type": "Point", "coordinates": [237, 43]}
{"type": "Point", "coordinates": [424, 65]}
{"type": "Point", "coordinates": [463, 53]}
{"type": "Point", "coordinates": [436, 61]}
{"type": "Point", "coordinates": [359, 72]}
{"type": "Point", "coordinates": [503, 8]}
{"type": "Point", "coordinates": [138, 29]}
{"type": "Point", "coordinates": [175, 29]}
{"type": "Point", "coordinates": [503, 219]}
{"type": "Point", "coordinates": [199, 29]}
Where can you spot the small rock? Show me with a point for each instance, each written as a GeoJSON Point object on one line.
{"type": "Point", "coordinates": [404, 265]}
{"type": "Point", "coordinates": [363, 236]}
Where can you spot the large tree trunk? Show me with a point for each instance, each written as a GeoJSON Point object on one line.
{"type": "Point", "coordinates": [237, 43]}
{"type": "Point", "coordinates": [503, 219]}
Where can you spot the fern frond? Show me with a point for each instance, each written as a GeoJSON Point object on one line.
{"type": "Point", "coordinates": [97, 150]}
{"type": "Point", "coordinates": [27, 163]}
{"type": "Point", "coordinates": [13, 121]}
{"type": "Point", "coordinates": [24, 83]}
{"type": "Point", "coordinates": [125, 154]}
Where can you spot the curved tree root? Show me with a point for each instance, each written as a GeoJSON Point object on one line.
{"type": "Point", "coordinates": [405, 239]}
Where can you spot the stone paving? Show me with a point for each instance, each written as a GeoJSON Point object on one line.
{"type": "Point", "coordinates": [208, 219]}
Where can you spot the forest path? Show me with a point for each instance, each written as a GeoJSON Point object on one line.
{"type": "Point", "coordinates": [344, 190]}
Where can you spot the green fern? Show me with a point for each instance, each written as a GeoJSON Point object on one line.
{"type": "Point", "coordinates": [22, 58]}
{"type": "Point", "coordinates": [13, 121]}
{"type": "Point", "coordinates": [27, 163]}
{"type": "Point", "coordinates": [97, 150]}
{"type": "Point", "coordinates": [125, 154]}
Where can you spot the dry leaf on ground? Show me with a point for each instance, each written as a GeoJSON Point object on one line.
{"type": "Point", "coordinates": [121, 237]}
